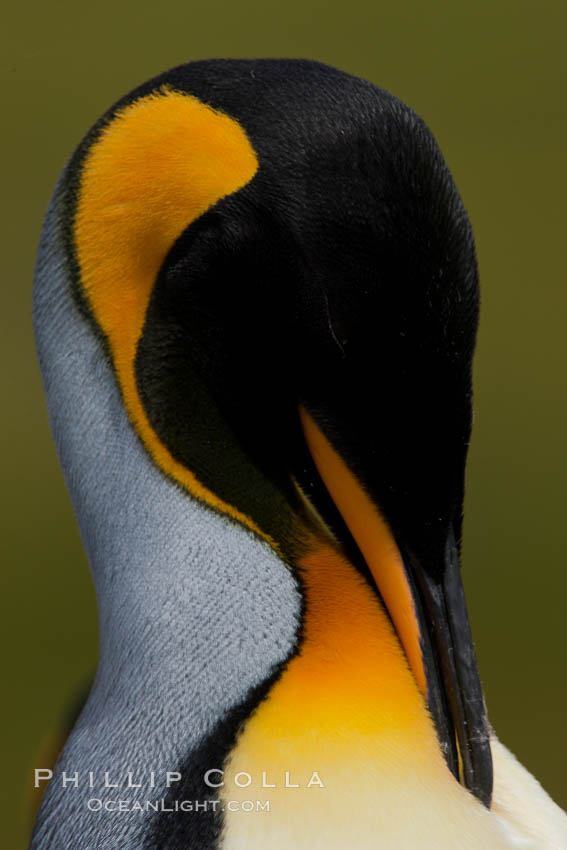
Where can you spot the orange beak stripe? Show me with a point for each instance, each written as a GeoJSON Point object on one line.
{"type": "Point", "coordinates": [374, 539]}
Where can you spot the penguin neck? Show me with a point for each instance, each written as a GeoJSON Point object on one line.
{"type": "Point", "coordinates": [176, 582]}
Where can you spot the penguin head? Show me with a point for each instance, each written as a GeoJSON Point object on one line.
{"type": "Point", "coordinates": [276, 262]}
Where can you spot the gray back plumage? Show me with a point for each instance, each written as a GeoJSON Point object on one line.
{"type": "Point", "coordinates": [194, 610]}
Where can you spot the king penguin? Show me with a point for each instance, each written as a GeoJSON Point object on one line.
{"type": "Point", "coordinates": [255, 306]}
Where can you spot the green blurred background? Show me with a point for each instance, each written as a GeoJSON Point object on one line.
{"type": "Point", "coordinates": [489, 78]}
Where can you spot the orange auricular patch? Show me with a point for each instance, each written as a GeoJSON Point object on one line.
{"type": "Point", "coordinates": [160, 163]}
{"type": "Point", "coordinates": [374, 539]}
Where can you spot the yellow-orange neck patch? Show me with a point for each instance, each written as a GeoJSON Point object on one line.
{"type": "Point", "coordinates": [158, 165]}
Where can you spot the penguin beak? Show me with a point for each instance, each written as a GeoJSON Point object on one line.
{"type": "Point", "coordinates": [427, 606]}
